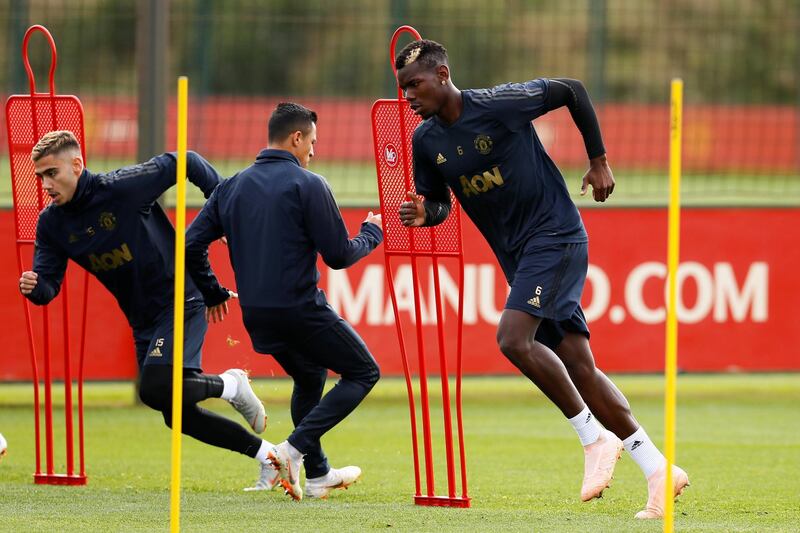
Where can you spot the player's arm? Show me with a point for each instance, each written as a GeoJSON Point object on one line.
{"type": "Point", "coordinates": [201, 173]}
{"type": "Point", "coordinates": [145, 182]}
{"type": "Point", "coordinates": [41, 284]}
{"type": "Point", "coordinates": [328, 231]}
{"type": "Point", "coordinates": [572, 94]}
{"type": "Point", "coordinates": [434, 208]}
{"type": "Point", "coordinates": [205, 229]}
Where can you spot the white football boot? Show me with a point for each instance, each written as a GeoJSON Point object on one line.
{"type": "Point", "coordinates": [246, 401]}
{"type": "Point", "coordinates": [336, 478]}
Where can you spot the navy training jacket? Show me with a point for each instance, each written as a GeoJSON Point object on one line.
{"type": "Point", "coordinates": [276, 216]}
{"type": "Point", "coordinates": [114, 228]}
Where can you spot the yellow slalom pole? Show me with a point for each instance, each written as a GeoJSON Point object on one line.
{"type": "Point", "coordinates": [177, 350]}
{"type": "Point", "coordinates": [673, 251]}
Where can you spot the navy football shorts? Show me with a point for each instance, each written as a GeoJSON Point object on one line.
{"type": "Point", "coordinates": [548, 284]}
{"type": "Point", "coordinates": [154, 343]}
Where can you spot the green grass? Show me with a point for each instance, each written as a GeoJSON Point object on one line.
{"type": "Point", "coordinates": [354, 184]}
{"type": "Point", "coordinates": [736, 438]}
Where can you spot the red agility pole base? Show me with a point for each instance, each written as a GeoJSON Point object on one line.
{"type": "Point", "coordinates": [60, 479]}
{"type": "Point", "coordinates": [28, 117]}
{"type": "Point", "coordinates": [442, 501]}
{"type": "Point", "coordinates": [393, 124]}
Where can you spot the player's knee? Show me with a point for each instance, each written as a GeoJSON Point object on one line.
{"type": "Point", "coordinates": [513, 347]}
{"type": "Point", "coordinates": [372, 375]}
{"type": "Point", "coordinates": [152, 395]}
{"type": "Point", "coordinates": [155, 386]}
{"type": "Point", "coordinates": [369, 372]}
{"type": "Point", "coordinates": [366, 375]}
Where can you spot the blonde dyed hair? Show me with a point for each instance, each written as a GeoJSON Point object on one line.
{"type": "Point", "coordinates": [429, 53]}
{"type": "Point", "coordinates": [53, 143]}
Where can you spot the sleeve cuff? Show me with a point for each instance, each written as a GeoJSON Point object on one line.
{"type": "Point", "coordinates": [373, 230]}
{"type": "Point", "coordinates": [219, 296]}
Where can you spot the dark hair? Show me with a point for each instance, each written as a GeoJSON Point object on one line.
{"type": "Point", "coordinates": [429, 53]}
{"type": "Point", "coordinates": [288, 118]}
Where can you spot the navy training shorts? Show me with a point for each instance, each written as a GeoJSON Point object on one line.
{"type": "Point", "coordinates": [548, 284]}
{"type": "Point", "coordinates": [154, 343]}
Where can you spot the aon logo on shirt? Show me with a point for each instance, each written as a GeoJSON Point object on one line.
{"type": "Point", "coordinates": [481, 182]}
{"type": "Point", "coordinates": [111, 260]}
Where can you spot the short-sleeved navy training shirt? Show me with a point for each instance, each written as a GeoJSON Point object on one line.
{"type": "Point", "coordinates": [493, 160]}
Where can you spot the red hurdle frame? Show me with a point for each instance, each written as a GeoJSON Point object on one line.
{"type": "Point", "coordinates": [28, 117]}
{"type": "Point", "coordinates": [393, 123]}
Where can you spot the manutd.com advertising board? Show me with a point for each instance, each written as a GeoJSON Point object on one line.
{"type": "Point", "coordinates": [738, 288]}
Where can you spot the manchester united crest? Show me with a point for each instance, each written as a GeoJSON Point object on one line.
{"type": "Point", "coordinates": [107, 221]}
{"type": "Point", "coordinates": [483, 144]}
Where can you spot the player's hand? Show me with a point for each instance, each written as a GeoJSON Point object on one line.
{"type": "Point", "coordinates": [224, 240]}
{"type": "Point", "coordinates": [412, 214]}
{"type": "Point", "coordinates": [374, 219]}
{"type": "Point", "coordinates": [28, 281]}
{"type": "Point", "coordinates": [217, 312]}
{"type": "Point", "coordinates": [601, 179]}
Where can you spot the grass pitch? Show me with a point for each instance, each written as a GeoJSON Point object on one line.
{"type": "Point", "coordinates": [736, 438]}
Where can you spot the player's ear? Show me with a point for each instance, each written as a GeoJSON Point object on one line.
{"type": "Point", "coordinates": [443, 74]}
{"type": "Point", "coordinates": [297, 137]}
{"type": "Point", "coordinates": [77, 164]}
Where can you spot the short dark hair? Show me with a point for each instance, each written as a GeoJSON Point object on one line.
{"type": "Point", "coordinates": [288, 118]}
{"type": "Point", "coordinates": [429, 53]}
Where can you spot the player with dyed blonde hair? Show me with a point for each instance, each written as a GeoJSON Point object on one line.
{"type": "Point", "coordinates": [111, 225]}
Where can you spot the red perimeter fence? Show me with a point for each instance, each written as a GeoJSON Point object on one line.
{"type": "Point", "coordinates": [760, 139]}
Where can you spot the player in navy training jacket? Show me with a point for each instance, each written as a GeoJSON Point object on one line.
{"type": "Point", "coordinates": [481, 145]}
{"type": "Point", "coordinates": [277, 216]}
{"type": "Point", "coordinates": [112, 226]}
